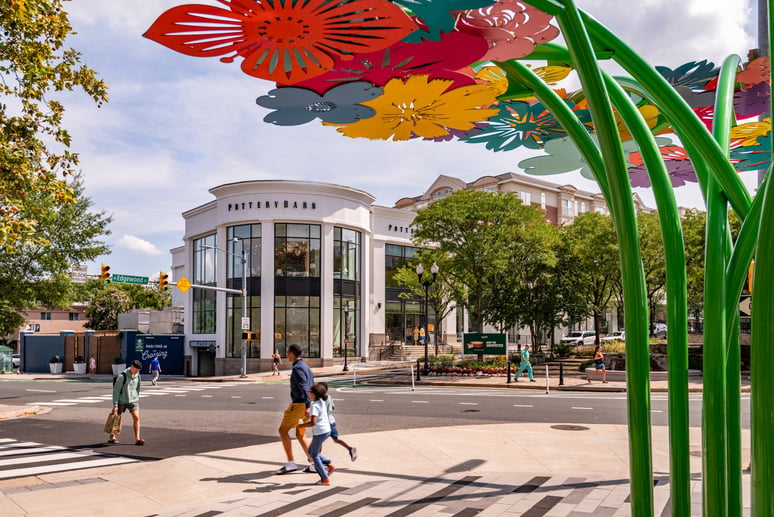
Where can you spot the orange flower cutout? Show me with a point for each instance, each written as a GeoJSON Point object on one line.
{"type": "Point", "coordinates": [285, 41]}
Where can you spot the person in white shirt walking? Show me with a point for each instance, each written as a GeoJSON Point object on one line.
{"type": "Point", "coordinates": [321, 430]}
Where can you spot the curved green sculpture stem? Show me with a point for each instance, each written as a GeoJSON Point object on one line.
{"type": "Point", "coordinates": [635, 304]}
{"type": "Point", "coordinates": [715, 439]}
{"type": "Point", "coordinates": [762, 348]}
{"type": "Point", "coordinates": [723, 119]}
{"type": "Point", "coordinates": [761, 361]}
{"type": "Point", "coordinates": [693, 133]}
{"type": "Point", "coordinates": [677, 299]}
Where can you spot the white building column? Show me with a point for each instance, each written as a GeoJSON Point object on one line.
{"type": "Point", "coordinates": [267, 290]}
{"type": "Point", "coordinates": [326, 292]}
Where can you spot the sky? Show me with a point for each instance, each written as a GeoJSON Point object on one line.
{"type": "Point", "coordinates": [176, 126]}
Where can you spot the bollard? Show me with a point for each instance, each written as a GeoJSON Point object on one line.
{"type": "Point", "coordinates": [561, 374]}
{"type": "Point", "coordinates": [547, 388]}
{"type": "Point", "coordinates": [419, 375]}
{"type": "Point", "coordinates": [508, 373]}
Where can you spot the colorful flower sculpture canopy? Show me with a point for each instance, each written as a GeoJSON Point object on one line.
{"type": "Point", "coordinates": [401, 69]}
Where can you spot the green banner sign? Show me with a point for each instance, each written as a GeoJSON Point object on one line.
{"type": "Point", "coordinates": [128, 279]}
{"type": "Point", "coordinates": [483, 344]}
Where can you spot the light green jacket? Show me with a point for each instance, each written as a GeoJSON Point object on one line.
{"type": "Point", "coordinates": [129, 394]}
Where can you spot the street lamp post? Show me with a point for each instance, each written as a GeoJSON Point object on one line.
{"type": "Point", "coordinates": [427, 284]}
{"type": "Point", "coordinates": [346, 335]}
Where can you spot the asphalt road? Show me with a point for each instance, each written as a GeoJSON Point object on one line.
{"type": "Point", "coordinates": [183, 417]}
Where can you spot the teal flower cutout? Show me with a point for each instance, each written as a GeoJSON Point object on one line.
{"type": "Point", "coordinates": [562, 156]}
{"type": "Point", "coordinates": [436, 17]}
{"type": "Point", "coordinates": [521, 124]}
{"type": "Point", "coordinates": [754, 157]}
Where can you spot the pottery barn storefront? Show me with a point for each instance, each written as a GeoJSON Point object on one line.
{"type": "Point", "coordinates": [316, 260]}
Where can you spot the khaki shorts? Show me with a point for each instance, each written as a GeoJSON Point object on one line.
{"type": "Point", "coordinates": [292, 415]}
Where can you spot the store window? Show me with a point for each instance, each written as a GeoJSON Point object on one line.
{"type": "Point", "coordinates": [45, 316]}
{"type": "Point", "coordinates": [401, 314]}
{"type": "Point", "coordinates": [249, 236]}
{"type": "Point", "coordinates": [347, 254]}
{"type": "Point", "coordinates": [297, 322]}
{"type": "Point", "coordinates": [204, 306]}
{"type": "Point", "coordinates": [74, 316]}
{"type": "Point", "coordinates": [297, 287]}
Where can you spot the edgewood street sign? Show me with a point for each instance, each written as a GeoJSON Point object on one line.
{"type": "Point", "coordinates": [128, 279]}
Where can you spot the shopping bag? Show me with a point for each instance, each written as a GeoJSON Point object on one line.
{"type": "Point", "coordinates": [113, 424]}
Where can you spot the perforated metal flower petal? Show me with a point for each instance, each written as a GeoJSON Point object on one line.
{"type": "Point", "coordinates": [436, 16]}
{"type": "Point", "coordinates": [437, 59]}
{"type": "Point", "coordinates": [512, 27]}
{"type": "Point", "coordinates": [341, 105]}
{"type": "Point", "coordinates": [284, 41]}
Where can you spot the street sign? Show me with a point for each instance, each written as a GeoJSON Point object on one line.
{"type": "Point", "coordinates": [183, 284]}
{"type": "Point", "coordinates": [129, 279]}
{"type": "Point", "coordinates": [483, 344]}
{"type": "Point", "coordinates": [78, 273]}
{"type": "Point", "coordinates": [245, 323]}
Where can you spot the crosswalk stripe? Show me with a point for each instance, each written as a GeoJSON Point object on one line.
{"type": "Point", "coordinates": [53, 403]}
{"type": "Point", "coordinates": [79, 400]}
{"type": "Point", "coordinates": [41, 457]}
{"type": "Point", "coordinates": [45, 469]}
{"type": "Point", "coordinates": [31, 450]}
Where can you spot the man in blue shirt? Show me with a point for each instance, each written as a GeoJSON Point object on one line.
{"type": "Point", "coordinates": [155, 369]}
{"type": "Point", "coordinates": [301, 380]}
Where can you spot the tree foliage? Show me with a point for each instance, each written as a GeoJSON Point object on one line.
{"type": "Point", "coordinates": [592, 255]}
{"type": "Point", "coordinates": [489, 241]}
{"type": "Point", "coordinates": [694, 234]}
{"type": "Point", "coordinates": [37, 273]}
{"type": "Point", "coordinates": [103, 311]}
{"type": "Point", "coordinates": [35, 159]}
{"type": "Point", "coordinates": [653, 261]}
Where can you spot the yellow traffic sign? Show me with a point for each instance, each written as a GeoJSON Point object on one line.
{"type": "Point", "coordinates": [183, 284]}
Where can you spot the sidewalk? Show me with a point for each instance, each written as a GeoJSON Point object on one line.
{"type": "Point", "coordinates": [529, 469]}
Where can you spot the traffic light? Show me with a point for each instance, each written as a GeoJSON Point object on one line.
{"type": "Point", "coordinates": [104, 277]}
{"type": "Point", "coordinates": [248, 336]}
{"type": "Point", "coordinates": [163, 282]}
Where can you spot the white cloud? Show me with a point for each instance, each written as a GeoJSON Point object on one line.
{"type": "Point", "coordinates": [137, 245]}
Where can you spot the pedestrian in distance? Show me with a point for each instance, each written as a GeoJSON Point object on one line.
{"type": "Point", "coordinates": [276, 361]}
{"type": "Point", "coordinates": [126, 396]}
{"type": "Point", "coordinates": [599, 365]}
{"type": "Point", "coordinates": [525, 364]}
{"type": "Point", "coordinates": [415, 336]}
{"type": "Point", "coordinates": [321, 430]}
{"type": "Point", "coordinates": [422, 335]}
{"type": "Point", "coordinates": [92, 364]}
{"type": "Point", "coordinates": [155, 369]}
{"type": "Point", "coordinates": [301, 381]}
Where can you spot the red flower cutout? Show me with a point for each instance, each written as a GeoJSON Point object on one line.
{"type": "Point", "coordinates": [438, 59]}
{"type": "Point", "coordinates": [284, 41]}
{"type": "Point", "coordinates": [512, 27]}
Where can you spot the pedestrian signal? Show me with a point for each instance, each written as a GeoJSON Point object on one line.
{"type": "Point", "coordinates": [104, 276]}
{"type": "Point", "coordinates": [163, 282]}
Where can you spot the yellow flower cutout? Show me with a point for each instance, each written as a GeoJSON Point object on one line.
{"type": "Point", "coordinates": [424, 108]}
{"type": "Point", "coordinates": [748, 133]}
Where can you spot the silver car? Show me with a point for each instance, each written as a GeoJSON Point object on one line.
{"type": "Point", "coordinates": [580, 337]}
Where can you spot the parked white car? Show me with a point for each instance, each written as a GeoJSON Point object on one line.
{"type": "Point", "coordinates": [580, 337]}
{"type": "Point", "coordinates": [660, 330]}
{"type": "Point", "coordinates": [618, 335]}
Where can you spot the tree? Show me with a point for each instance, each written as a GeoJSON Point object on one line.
{"type": "Point", "coordinates": [34, 146]}
{"type": "Point", "coordinates": [107, 305]}
{"type": "Point", "coordinates": [653, 261]}
{"type": "Point", "coordinates": [592, 252]}
{"type": "Point", "coordinates": [694, 234]}
{"type": "Point", "coordinates": [140, 297]}
{"type": "Point", "coordinates": [36, 273]}
{"type": "Point", "coordinates": [489, 240]}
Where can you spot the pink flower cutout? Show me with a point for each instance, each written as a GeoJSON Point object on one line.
{"type": "Point", "coordinates": [442, 59]}
{"type": "Point", "coordinates": [512, 27]}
